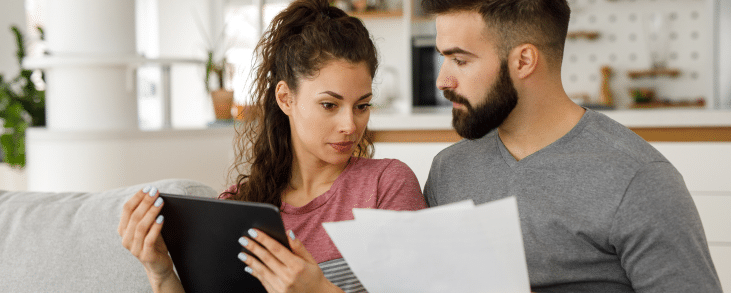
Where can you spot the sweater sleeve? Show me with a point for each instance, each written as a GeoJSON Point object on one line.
{"type": "Point", "coordinates": [398, 189]}
{"type": "Point", "coordinates": [430, 190]}
{"type": "Point", "coordinates": [658, 235]}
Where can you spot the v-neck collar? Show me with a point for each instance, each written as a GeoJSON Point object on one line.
{"type": "Point", "coordinates": [320, 200]}
{"type": "Point", "coordinates": [513, 163]}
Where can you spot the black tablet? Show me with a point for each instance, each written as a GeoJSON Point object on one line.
{"type": "Point", "coordinates": [202, 237]}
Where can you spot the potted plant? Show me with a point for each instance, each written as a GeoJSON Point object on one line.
{"type": "Point", "coordinates": [222, 97]}
{"type": "Point", "coordinates": [22, 105]}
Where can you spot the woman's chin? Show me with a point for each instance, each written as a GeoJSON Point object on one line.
{"type": "Point", "coordinates": [338, 158]}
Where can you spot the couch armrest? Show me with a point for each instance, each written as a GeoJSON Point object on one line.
{"type": "Point", "coordinates": [68, 242]}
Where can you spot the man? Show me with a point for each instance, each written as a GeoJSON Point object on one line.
{"type": "Point", "coordinates": [601, 210]}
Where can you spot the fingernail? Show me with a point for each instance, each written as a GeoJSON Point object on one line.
{"type": "Point", "coordinates": [159, 219]}
{"type": "Point", "coordinates": [153, 191]}
{"type": "Point", "coordinates": [249, 270]}
{"type": "Point", "coordinates": [146, 189]}
{"type": "Point", "coordinates": [252, 233]}
{"type": "Point", "coordinates": [242, 257]}
{"type": "Point", "coordinates": [243, 241]}
{"type": "Point", "coordinates": [158, 202]}
{"type": "Point", "coordinates": [291, 234]}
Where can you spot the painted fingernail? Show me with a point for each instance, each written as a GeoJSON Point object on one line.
{"type": "Point", "coordinates": [146, 189]}
{"type": "Point", "coordinates": [243, 241]}
{"type": "Point", "coordinates": [158, 202]}
{"type": "Point", "coordinates": [153, 191]}
{"type": "Point", "coordinates": [159, 219]}
{"type": "Point", "coordinates": [291, 234]}
{"type": "Point", "coordinates": [242, 256]}
{"type": "Point", "coordinates": [252, 233]}
{"type": "Point", "coordinates": [249, 270]}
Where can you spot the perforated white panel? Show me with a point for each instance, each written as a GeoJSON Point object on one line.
{"type": "Point", "coordinates": [682, 32]}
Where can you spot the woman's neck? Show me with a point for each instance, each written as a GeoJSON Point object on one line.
{"type": "Point", "coordinates": [309, 180]}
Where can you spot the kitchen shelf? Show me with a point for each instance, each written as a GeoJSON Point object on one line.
{"type": "Point", "coordinates": [699, 103]}
{"type": "Point", "coordinates": [589, 35]}
{"type": "Point", "coordinates": [373, 14]}
{"type": "Point", "coordinates": [634, 74]}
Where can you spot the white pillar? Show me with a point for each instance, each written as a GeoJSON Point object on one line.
{"type": "Point", "coordinates": [90, 92]}
{"type": "Point", "coordinates": [89, 83]}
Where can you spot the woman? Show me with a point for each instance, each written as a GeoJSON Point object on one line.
{"type": "Point", "coordinates": [307, 152]}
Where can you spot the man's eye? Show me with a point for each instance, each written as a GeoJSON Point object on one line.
{"type": "Point", "coordinates": [459, 62]}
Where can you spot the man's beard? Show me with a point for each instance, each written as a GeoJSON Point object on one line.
{"type": "Point", "coordinates": [499, 101]}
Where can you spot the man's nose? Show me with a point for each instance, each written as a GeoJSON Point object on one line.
{"type": "Point", "coordinates": [445, 80]}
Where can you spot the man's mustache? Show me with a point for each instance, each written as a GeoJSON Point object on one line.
{"type": "Point", "coordinates": [456, 98]}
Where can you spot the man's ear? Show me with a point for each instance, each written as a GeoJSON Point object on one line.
{"type": "Point", "coordinates": [524, 60]}
{"type": "Point", "coordinates": [284, 97]}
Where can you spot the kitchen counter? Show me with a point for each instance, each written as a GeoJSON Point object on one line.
{"type": "Point", "coordinates": [435, 124]}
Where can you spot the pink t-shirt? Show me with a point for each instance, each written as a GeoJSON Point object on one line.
{"type": "Point", "coordinates": [365, 183]}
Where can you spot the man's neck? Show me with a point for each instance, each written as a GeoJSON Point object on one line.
{"type": "Point", "coordinates": [536, 124]}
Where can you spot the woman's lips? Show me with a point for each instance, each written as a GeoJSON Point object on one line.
{"type": "Point", "coordinates": [342, 146]}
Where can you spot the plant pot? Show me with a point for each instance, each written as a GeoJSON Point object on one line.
{"type": "Point", "coordinates": [12, 178]}
{"type": "Point", "coordinates": [245, 112]}
{"type": "Point", "coordinates": [222, 102]}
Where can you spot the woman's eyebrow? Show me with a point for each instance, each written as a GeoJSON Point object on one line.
{"type": "Point", "coordinates": [339, 97]}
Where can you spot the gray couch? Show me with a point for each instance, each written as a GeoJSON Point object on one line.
{"type": "Point", "coordinates": [68, 242]}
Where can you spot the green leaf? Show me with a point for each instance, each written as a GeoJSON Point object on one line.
{"type": "Point", "coordinates": [21, 44]}
{"type": "Point", "coordinates": [21, 105]}
{"type": "Point", "coordinates": [13, 149]}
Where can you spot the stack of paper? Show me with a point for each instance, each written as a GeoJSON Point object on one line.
{"type": "Point", "coordinates": [453, 248]}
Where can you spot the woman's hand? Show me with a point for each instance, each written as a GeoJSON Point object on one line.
{"type": "Point", "coordinates": [139, 227]}
{"type": "Point", "coordinates": [281, 270]}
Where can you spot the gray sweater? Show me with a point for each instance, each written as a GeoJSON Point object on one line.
{"type": "Point", "coordinates": [601, 210]}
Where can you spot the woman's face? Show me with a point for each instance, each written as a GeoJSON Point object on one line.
{"type": "Point", "coordinates": [329, 112]}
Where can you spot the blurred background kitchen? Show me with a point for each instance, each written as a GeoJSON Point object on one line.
{"type": "Point", "coordinates": [134, 91]}
{"type": "Point", "coordinates": [130, 83]}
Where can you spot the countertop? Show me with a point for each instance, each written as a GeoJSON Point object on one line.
{"type": "Point", "coordinates": [441, 119]}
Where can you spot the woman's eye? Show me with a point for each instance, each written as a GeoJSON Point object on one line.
{"type": "Point", "coordinates": [328, 106]}
{"type": "Point", "coordinates": [364, 107]}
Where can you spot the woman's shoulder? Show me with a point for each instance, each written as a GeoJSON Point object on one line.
{"type": "Point", "coordinates": [366, 164]}
{"type": "Point", "coordinates": [380, 169]}
{"type": "Point", "coordinates": [396, 184]}
{"type": "Point", "coordinates": [229, 192]}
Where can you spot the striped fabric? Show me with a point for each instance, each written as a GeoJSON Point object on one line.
{"type": "Point", "coordinates": [338, 272]}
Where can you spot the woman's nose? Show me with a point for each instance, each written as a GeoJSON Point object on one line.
{"type": "Point", "coordinates": [347, 122]}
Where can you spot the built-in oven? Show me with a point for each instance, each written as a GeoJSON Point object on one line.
{"type": "Point", "coordinates": [426, 62]}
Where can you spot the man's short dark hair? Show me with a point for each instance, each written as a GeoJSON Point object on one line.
{"type": "Point", "coordinates": [543, 23]}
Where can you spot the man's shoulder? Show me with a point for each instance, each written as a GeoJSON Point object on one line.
{"type": "Point", "coordinates": [621, 140]}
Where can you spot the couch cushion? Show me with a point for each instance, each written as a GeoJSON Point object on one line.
{"type": "Point", "coordinates": [68, 242]}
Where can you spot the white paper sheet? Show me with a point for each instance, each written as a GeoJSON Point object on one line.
{"type": "Point", "coordinates": [370, 214]}
{"type": "Point", "coordinates": [452, 249]}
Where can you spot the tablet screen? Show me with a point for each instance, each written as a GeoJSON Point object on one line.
{"type": "Point", "coordinates": [202, 237]}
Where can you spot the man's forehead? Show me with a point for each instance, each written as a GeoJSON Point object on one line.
{"type": "Point", "coordinates": [464, 30]}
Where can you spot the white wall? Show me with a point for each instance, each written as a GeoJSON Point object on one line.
{"type": "Point", "coordinates": [724, 35]}
{"type": "Point", "coordinates": [183, 25]}
{"type": "Point", "coordinates": [392, 40]}
{"type": "Point", "coordinates": [103, 160]}
{"type": "Point", "coordinates": [12, 12]}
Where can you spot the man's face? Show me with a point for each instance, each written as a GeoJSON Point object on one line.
{"type": "Point", "coordinates": [473, 76]}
